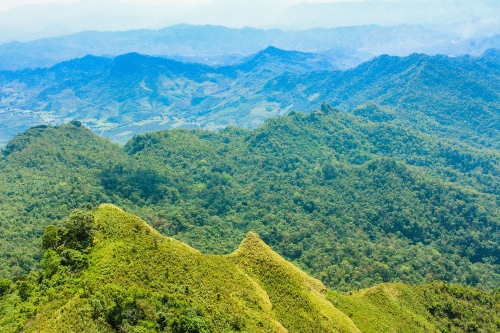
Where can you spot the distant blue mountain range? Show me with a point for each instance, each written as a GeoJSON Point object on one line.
{"type": "Point", "coordinates": [346, 47]}
{"type": "Point", "coordinates": [129, 94]}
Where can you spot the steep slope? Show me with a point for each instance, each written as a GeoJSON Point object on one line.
{"type": "Point", "coordinates": [138, 281]}
{"type": "Point", "coordinates": [437, 307]}
{"type": "Point", "coordinates": [287, 286]}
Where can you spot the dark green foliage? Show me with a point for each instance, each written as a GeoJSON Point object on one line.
{"type": "Point", "coordinates": [5, 286]}
{"type": "Point", "coordinates": [127, 307]}
{"type": "Point", "coordinates": [24, 288]}
{"type": "Point", "coordinates": [77, 232]}
{"type": "Point", "coordinates": [68, 244]}
{"type": "Point", "coordinates": [353, 202]}
{"type": "Point", "coordinates": [51, 238]}
{"type": "Point", "coordinates": [50, 262]}
{"type": "Point", "coordinates": [74, 260]}
{"type": "Point", "coordinates": [191, 321]}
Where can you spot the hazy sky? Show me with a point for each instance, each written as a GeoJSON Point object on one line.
{"type": "Point", "coordinates": [8, 4]}
{"type": "Point", "coordinates": [464, 17]}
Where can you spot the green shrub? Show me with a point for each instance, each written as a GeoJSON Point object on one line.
{"type": "Point", "coordinates": [50, 262]}
{"type": "Point", "coordinates": [5, 286]}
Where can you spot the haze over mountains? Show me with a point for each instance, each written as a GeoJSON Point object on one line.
{"type": "Point", "coordinates": [217, 45]}
{"type": "Point", "coordinates": [464, 18]}
{"type": "Point", "coordinates": [360, 140]}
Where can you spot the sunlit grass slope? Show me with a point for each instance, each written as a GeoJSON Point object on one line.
{"type": "Point", "coordinates": [435, 307]}
{"type": "Point", "coordinates": [140, 281]}
{"type": "Point", "coordinates": [298, 300]}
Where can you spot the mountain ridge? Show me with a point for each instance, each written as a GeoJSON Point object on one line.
{"type": "Point", "coordinates": [156, 93]}
{"type": "Point", "coordinates": [130, 278]}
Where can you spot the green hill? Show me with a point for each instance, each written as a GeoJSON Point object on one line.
{"type": "Point", "coordinates": [436, 307]}
{"type": "Point", "coordinates": [352, 202]}
{"type": "Point", "coordinates": [139, 281]}
{"type": "Point", "coordinates": [108, 271]}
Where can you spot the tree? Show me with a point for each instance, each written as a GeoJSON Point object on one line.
{"type": "Point", "coordinates": [50, 262]}
{"type": "Point", "coordinates": [78, 230]}
{"type": "Point", "coordinates": [51, 238]}
{"type": "Point", "coordinates": [5, 286]}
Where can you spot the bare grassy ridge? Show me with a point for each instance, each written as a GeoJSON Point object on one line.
{"type": "Point", "coordinates": [140, 281]}
{"type": "Point", "coordinates": [163, 277]}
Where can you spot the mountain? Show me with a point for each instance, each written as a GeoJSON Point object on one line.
{"type": "Point", "coordinates": [132, 93]}
{"type": "Point", "coordinates": [350, 201]}
{"type": "Point", "coordinates": [108, 271]}
{"type": "Point", "coordinates": [137, 279]}
{"type": "Point", "coordinates": [459, 18]}
{"type": "Point", "coordinates": [450, 96]}
{"type": "Point", "coordinates": [217, 45]}
{"type": "Point", "coordinates": [306, 15]}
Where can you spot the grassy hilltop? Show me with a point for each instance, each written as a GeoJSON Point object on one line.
{"type": "Point", "coordinates": [108, 271]}
{"type": "Point", "coordinates": [138, 281]}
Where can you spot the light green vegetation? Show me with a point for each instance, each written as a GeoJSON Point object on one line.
{"type": "Point", "coordinates": [139, 281]}
{"type": "Point", "coordinates": [437, 307]}
{"type": "Point", "coordinates": [108, 271]}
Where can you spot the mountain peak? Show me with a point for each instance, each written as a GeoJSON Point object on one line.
{"type": "Point", "coordinates": [128, 255]}
{"type": "Point", "coordinates": [255, 245]}
{"type": "Point", "coordinates": [285, 282]}
{"type": "Point", "coordinates": [491, 54]}
{"type": "Point", "coordinates": [279, 60]}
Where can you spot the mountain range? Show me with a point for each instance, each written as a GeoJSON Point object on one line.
{"type": "Point", "coordinates": [252, 176]}
{"type": "Point", "coordinates": [131, 94]}
{"type": "Point", "coordinates": [325, 197]}
{"type": "Point", "coordinates": [217, 45]}
{"type": "Point", "coordinates": [458, 17]}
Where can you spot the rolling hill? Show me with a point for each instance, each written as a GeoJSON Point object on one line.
{"type": "Point", "coordinates": [108, 271]}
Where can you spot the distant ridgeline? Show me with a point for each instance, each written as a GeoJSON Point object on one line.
{"type": "Point", "coordinates": [108, 271]}
{"type": "Point", "coordinates": [133, 94]}
{"type": "Point", "coordinates": [351, 199]}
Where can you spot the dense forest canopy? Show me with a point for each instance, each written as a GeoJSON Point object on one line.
{"type": "Point", "coordinates": [353, 200]}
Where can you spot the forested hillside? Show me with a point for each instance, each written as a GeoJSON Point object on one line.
{"type": "Point", "coordinates": [104, 270]}
{"type": "Point", "coordinates": [351, 201]}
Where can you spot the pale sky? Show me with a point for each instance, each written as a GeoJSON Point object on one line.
{"type": "Point", "coordinates": [8, 4]}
